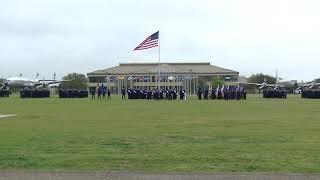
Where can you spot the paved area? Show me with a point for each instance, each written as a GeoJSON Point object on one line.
{"type": "Point", "coordinates": [74, 175]}
{"type": "Point", "coordinates": [6, 115]}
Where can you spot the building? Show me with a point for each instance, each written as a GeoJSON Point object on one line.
{"type": "Point", "coordinates": [188, 76]}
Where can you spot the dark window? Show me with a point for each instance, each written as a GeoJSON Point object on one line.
{"type": "Point", "coordinates": [97, 79]}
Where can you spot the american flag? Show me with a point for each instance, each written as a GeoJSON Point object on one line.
{"type": "Point", "coordinates": [150, 42]}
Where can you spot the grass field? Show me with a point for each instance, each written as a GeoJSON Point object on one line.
{"type": "Point", "coordinates": [257, 135]}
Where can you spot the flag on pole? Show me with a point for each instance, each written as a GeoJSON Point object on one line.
{"type": "Point", "coordinates": [150, 42]}
{"type": "Point", "coordinates": [217, 90]}
{"type": "Point", "coordinates": [222, 91]}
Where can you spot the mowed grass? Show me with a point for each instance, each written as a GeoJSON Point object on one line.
{"type": "Point", "coordinates": [256, 135]}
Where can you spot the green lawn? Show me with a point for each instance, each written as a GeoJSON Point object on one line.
{"type": "Point", "coordinates": [257, 135]}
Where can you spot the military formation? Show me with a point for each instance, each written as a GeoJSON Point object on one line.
{"type": "Point", "coordinates": [281, 94]}
{"type": "Point", "coordinates": [310, 94]}
{"type": "Point", "coordinates": [217, 93]}
{"type": "Point", "coordinates": [4, 93]}
{"type": "Point", "coordinates": [63, 93]}
{"type": "Point", "coordinates": [102, 92]}
{"type": "Point", "coordinates": [73, 93]}
{"type": "Point", "coordinates": [34, 93]}
{"type": "Point", "coordinates": [225, 92]}
{"type": "Point", "coordinates": [156, 94]}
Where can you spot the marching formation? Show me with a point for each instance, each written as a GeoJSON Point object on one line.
{"type": "Point", "coordinates": [102, 91]}
{"type": "Point", "coordinates": [225, 92]}
{"type": "Point", "coordinates": [34, 93]}
{"type": "Point", "coordinates": [156, 94]}
{"type": "Point", "coordinates": [310, 94]}
{"type": "Point", "coordinates": [72, 93]}
{"type": "Point", "coordinates": [4, 93]}
{"type": "Point", "coordinates": [275, 94]}
{"type": "Point", "coordinates": [45, 93]}
{"type": "Point", "coordinates": [4, 90]}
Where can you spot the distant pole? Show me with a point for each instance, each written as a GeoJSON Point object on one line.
{"type": "Point", "coordinates": [277, 77]}
{"type": "Point", "coordinates": [159, 79]}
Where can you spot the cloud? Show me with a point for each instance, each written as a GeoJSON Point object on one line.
{"type": "Point", "coordinates": [249, 36]}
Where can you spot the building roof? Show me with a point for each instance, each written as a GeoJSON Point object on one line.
{"type": "Point", "coordinates": [172, 68]}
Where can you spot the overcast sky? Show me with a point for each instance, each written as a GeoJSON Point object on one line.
{"type": "Point", "coordinates": [249, 36]}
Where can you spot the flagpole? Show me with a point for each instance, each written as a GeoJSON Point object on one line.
{"type": "Point", "coordinates": [159, 78]}
{"type": "Point", "coordinates": [150, 42]}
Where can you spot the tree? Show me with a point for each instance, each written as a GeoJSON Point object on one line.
{"type": "Point", "coordinates": [317, 80]}
{"type": "Point", "coordinates": [217, 81]}
{"type": "Point", "coordinates": [260, 77]}
{"type": "Point", "coordinates": [2, 80]}
{"type": "Point", "coordinates": [203, 81]}
{"type": "Point", "coordinates": [74, 81]}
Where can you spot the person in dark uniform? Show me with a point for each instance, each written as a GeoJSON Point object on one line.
{"type": "Point", "coordinates": [93, 92]}
{"type": "Point", "coordinates": [129, 94]}
{"type": "Point", "coordinates": [156, 94]}
{"type": "Point", "coordinates": [104, 90]}
{"type": "Point", "coordinates": [149, 94]}
{"type": "Point", "coordinates": [181, 95]}
{"type": "Point", "coordinates": [199, 93]}
{"type": "Point", "coordinates": [238, 93]}
{"type": "Point", "coordinates": [123, 93]}
{"type": "Point", "coordinates": [99, 92]}
{"type": "Point", "coordinates": [175, 94]}
{"type": "Point", "coordinates": [109, 93]}
{"type": "Point", "coordinates": [206, 93]}
{"type": "Point", "coordinates": [213, 93]}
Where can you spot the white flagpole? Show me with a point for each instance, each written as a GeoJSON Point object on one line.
{"type": "Point", "coordinates": [159, 78]}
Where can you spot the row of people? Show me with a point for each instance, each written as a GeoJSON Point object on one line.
{"type": "Point", "coordinates": [63, 93]}
{"type": "Point", "coordinates": [156, 94]}
{"type": "Point", "coordinates": [227, 93]}
{"type": "Point", "coordinates": [311, 94]}
{"type": "Point", "coordinates": [34, 94]}
{"type": "Point", "coordinates": [101, 91]}
{"type": "Point", "coordinates": [72, 93]}
{"type": "Point", "coordinates": [4, 93]}
{"type": "Point", "coordinates": [275, 94]}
